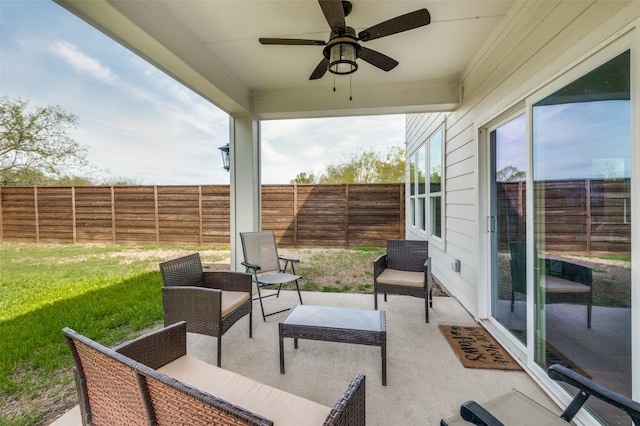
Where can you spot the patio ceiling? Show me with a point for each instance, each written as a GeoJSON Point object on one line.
{"type": "Point", "coordinates": [212, 47]}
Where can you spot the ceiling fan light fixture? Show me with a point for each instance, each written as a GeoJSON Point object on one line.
{"type": "Point", "coordinates": [342, 58]}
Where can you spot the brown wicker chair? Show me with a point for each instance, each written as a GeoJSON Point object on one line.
{"type": "Point", "coordinates": [405, 269]}
{"type": "Point", "coordinates": [210, 302]}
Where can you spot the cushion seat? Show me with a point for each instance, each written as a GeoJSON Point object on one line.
{"type": "Point", "coordinates": [397, 277]}
{"type": "Point", "coordinates": [281, 407]}
{"type": "Point", "coordinates": [552, 284]}
{"type": "Point", "coordinates": [232, 300]}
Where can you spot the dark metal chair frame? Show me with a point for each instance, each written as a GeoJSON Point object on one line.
{"type": "Point", "coordinates": [474, 413]}
{"type": "Point", "coordinates": [195, 296]}
{"type": "Point", "coordinates": [405, 255]}
{"type": "Point", "coordinates": [275, 275]}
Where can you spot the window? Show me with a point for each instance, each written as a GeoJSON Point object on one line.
{"type": "Point", "coordinates": [435, 183]}
{"type": "Point", "coordinates": [425, 186]}
{"type": "Point", "coordinates": [412, 189]}
{"type": "Point", "coordinates": [422, 187]}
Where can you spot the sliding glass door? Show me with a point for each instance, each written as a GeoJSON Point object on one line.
{"type": "Point", "coordinates": [581, 141]}
{"type": "Point", "coordinates": [508, 153]}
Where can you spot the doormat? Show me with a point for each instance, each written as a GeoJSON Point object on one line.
{"type": "Point", "coordinates": [476, 348]}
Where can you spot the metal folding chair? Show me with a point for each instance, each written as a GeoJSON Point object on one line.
{"type": "Point", "coordinates": [262, 260]}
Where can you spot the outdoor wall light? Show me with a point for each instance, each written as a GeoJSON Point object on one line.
{"type": "Point", "coordinates": [226, 162]}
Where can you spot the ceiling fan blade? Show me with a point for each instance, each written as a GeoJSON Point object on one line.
{"type": "Point", "coordinates": [377, 59]}
{"type": "Point", "coordinates": [320, 69]}
{"type": "Point", "coordinates": [333, 12]}
{"type": "Point", "coordinates": [292, 41]}
{"type": "Point", "coordinates": [396, 25]}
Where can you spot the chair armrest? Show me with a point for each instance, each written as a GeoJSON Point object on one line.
{"type": "Point", "coordinates": [157, 348]}
{"type": "Point", "coordinates": [248, 265]}
{"type": "Point", "coordinates": [200, 307]}
{"type": "Point", "coordinates": [350, 409]}
{"type": "Point", "coordinates": [427, 274]}
{"type": "Point", "coordinates": [379, 265]}
{"type": "Point", "coordinates": [289, 261]}
{"type": "Point", "coordinates": [588, 388]}
{"type": "Point", "coordinates": [228, 281]}
{"type": "Point", "coordinates": [474, 413]}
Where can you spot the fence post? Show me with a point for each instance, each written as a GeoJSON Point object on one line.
{"type": "Point", "coordinates": [346, 216]}
{"type": "Point", "coordinates": [200, 213]}
{"type": "Point", "coordinates": [113, 214]}
{"type": "Point", "coordinates": [73, 214]}
{"type": "Point", "coordinates": [37, 213]}
{"type": "Point", "coordinates": [155, 210]}
{"type": "Point", "coordinates": [295, 214]}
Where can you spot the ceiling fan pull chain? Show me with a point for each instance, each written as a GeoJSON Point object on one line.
{"type": "Point", "coordinates": [350, 97]}
{"type": "Point", "coordinates": [334, 82]}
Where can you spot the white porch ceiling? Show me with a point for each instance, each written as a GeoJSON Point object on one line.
{"type": "Point", "coordinates": [212, 47]}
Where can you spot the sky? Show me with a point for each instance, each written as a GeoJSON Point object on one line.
{"type": "Point", "coordinates": [142, 125]}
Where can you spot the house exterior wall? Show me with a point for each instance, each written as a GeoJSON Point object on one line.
{"type": "Point", "coordinates": [538, 48]}
{"type": "Point", "coordinates": [536, 43]}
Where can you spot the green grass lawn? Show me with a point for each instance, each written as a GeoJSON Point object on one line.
{"type": "Point", "coordinates": [110, 294]}
{"type": "Point", "coordinates": [104, 292]}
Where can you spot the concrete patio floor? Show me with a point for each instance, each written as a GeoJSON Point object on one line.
{"type": "Point", "coordinates": [425, 380]}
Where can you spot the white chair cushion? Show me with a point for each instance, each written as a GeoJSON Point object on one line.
{"type": "Point", "coordinates": [397, 277]}
{"type": "Point", "coordinates": [232, 299]}
{"type": "Point", "coordinates": [281, 407]}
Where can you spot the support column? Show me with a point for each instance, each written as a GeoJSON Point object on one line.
{"type": "Point", "coordinates": [244, 151]}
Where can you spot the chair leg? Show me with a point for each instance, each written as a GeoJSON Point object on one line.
{"type": "Point", "coordinates": [299, 295]}
{"type": "Point", "coordinates": [512, 299]}
{"type": "Point", "coordinates": [219, 349]}
{"type": "Point", "coordinates": [251, 322]}
{"type": "Point", "coordinates": [589, 315]}
{"type": "Point", "coordinates": [264, 318]}
{"type": "Point", "coordinates": [375, 300]}
{"type": "Point", "coordinates": [426, 310]}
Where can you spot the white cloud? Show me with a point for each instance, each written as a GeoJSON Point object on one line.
{"type": "Point", "coordinates": [81, 62]}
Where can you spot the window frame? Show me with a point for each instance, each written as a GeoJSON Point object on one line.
{"type": "Point", "coordinates": [420, 200]}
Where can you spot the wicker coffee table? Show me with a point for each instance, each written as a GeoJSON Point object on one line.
{"type": "Point", "coordinates": [333, 324]}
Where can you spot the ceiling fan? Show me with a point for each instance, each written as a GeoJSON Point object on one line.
{"type": "Point", "coordinates": [343, 48]}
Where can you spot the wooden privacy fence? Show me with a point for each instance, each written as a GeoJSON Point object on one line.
{"type": "Point", "coordinates": [300, 215]}
{"type": "Point", "coordinates": [590, 216]}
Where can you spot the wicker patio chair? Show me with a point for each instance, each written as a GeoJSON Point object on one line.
{"type": "Point", "coordinates": [564, 282]}
{"type": "Point", "coordinates": [210, 302]}
{"type": "Point", "coordinates": [262, 259]}
{"type": "Point", "coordinates": [405, 269]}
{"type": "Point", "coordinates": [514, 407]}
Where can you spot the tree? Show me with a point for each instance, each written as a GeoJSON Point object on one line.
{"type": "Point", "coordinates": [35, 147]}
{"type": "Point", "coordinates": [369, 167]}
{"type": "Point", "coordinates": [510, 174]}
{"type": "Point", "coordinates": [304, 178]}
